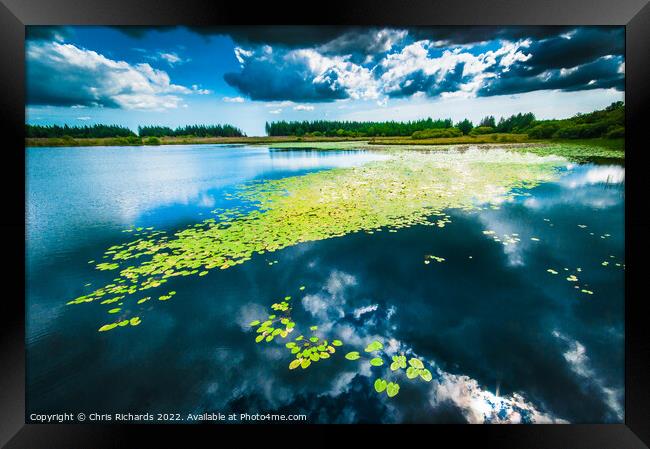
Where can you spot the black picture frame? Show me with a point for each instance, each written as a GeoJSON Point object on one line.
{"type": "Point", "coordinates": [16, 14]}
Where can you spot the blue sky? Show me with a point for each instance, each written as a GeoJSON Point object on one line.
{"type": "Point", "coordinates": [246, 76]}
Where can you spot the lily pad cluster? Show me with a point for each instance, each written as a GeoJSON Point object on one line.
{"type": "Point", "coordinates": [415, 367]}
{"type": "Point", "coordinates": [305, 349]}
{"type": "Point", "coordinates": [505, 239]}
{"type": "Point", "coordinates": [402, 190]}
{"type": "Point", "coordinates": [311, 351]}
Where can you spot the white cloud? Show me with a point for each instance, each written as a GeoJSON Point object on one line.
{"type": "Point", "coordinates": [85, 117]}
{"type": "Point", "coordinates": [275, 111]}
{"type": "Point", "coordinates": [233, 99]}
{"type": "Point", "coordinates": [363, 310]}
{"type": "Point", "coordinates": [197, 90]}
{"type": "Point", "coordinates": [480, 406]}
{"type": "Point", "coordinates": [578, 361]}
{"type": "Point", "coordinates": [63, 74]}
{"type": "Point", "coordinates": [337, 72]}
{"type": "Point", "coordinates": [303, 107]}
{"type": "Point", "coordinates": [171, 58]}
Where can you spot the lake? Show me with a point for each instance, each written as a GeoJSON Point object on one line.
{"type": "Point", "coordinates": [156, 275]}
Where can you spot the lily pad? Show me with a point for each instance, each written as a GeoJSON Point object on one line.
{"type": "Point", "coordinates": [374, 346]}
{"type": "Point", "coordinates": [416, 363]}
{"type": "Point", "coordinates": [354, 355]}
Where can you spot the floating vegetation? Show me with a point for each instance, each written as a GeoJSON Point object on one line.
{"type": "Point", "coordinates": [428, 258]}
{"type": "Point", "coordinates": [399, 362]}
{"type": "Point", "coordinates": [504, 239]}
{"type": "Point", "coordinates": [391, 388]}
{"type": "Point", "coordinates": [552, 271]}
{"type": "Point", "coordinates": [403, 190]}
{"type": "Point", "coordinates": [354, 355]}
{"type": "Point", "coordinates": [307, 350]}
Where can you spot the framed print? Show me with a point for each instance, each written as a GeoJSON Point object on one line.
{"type": "Point", "coordinates": [382, 220]}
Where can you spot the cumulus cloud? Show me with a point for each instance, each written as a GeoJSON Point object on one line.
{"type": "Point", "coordinates": [302, 75]}
{"type": "Point", "coordinates": [372, 64]}
{"type": "Point", "coordinates": [481, 406]}
{"type": "Point", "coordinates": [66, 75]}
{"type": "Point", "coordinates": [327, 64]}
{"type": "Point", "coordinates": [303, 107]}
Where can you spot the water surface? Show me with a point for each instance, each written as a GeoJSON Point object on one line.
{"type": "Point", "coordinates": [505, 339]}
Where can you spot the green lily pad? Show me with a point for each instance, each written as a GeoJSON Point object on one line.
{"type": "Point", "coordinates": [392, 389]}
{"type": "Point", "coordinates": [411, 372]}
{"type": "Point", "coordinates": [380, 385]}
{"type": "Point", "coordinates": [415, 363]}
{"type": "Point", "coordinates": [377, 361]}
{"type": "Point", "coordinates": [374, 346]}
{"type": "Point", "coordinates": [354, 355]}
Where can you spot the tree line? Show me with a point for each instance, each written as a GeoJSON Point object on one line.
{"type": "Point", "coordinates": [319, 128]}
{"type": "Point", "coordinates": [77, 131]}
{"type": "Point", "coordinates": [191, 130]}
{"type": "Point", "coordinates": [103, 131]}
{"type": "Point", "coordinates": [609, 122]}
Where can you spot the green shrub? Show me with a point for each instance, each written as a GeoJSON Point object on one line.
{"type": "Point", "coordinates": [583, 131]}
{"type": "Point", "coordinates": [152, 141]}
{"type": "Point", "coordinates": [543, 131]}
{"type": "Point", "coordinates": [481, 130]}
{"type": "Point", "coordinates": [437, 133]}
{"type": "Point", "coordinates": [615, 132]}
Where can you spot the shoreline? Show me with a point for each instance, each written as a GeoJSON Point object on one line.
{"type": "Point", "coordinates": [578, 150]}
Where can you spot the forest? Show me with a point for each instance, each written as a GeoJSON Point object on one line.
{"type": "Point", "coordinates": [608, 123]}
{"type": "Point", "coordinates": [103, 131]}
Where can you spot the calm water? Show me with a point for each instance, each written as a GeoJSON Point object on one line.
{"type": "Point", "coordinates": [504, 339]}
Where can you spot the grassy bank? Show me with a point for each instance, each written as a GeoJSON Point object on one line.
{"type": "Point", "coordinates": [137, 141]}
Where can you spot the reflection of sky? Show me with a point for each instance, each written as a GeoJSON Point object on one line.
{"type": "Point", "coordinates": [71, 190]}
{"type": "Point", "coordinates": [505, 342]}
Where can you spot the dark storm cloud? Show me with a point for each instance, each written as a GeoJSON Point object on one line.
{"type": "Point", "coordinates": [285, 36]}
{"type": "Point", "coordinates": [461, 35]}
{"type": "Point", "coordinates": [138, 31]}
{"type": "Point", "coordinates": [602, 73]}
{"type": "Point", "coordinates": [47, 33]}
{"type": "Point", "coordinates": [578, 47]}
{"type": "Point", "coordinates": [585, 58]}
{"type": "Point", "coordinates": [272, 80]}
